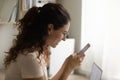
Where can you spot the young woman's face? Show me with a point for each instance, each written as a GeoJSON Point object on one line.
{"type": "Point", "coordinates": [55, 36]}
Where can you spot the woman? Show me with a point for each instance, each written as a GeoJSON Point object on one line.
{"type": "Point", "coordinates": [39, 29]}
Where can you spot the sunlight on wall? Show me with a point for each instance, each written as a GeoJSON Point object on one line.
{"type": "Point", "coordinates": [100, 27]}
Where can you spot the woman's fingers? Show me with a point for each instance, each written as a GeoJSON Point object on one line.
{"type": "Point", "coordinates": [74, 60]}
{"type": "Point", "coordinates": [80, 58]}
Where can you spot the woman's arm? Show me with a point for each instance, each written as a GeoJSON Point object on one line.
{"type": "Point", "coordinates": [68, 66]}
{"type": "Point", "coordinates": [60, 72]}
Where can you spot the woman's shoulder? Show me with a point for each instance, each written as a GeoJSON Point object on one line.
{"type": "Point", "coordinates": [26, 55]}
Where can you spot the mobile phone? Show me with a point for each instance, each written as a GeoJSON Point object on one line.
{"type": "Point", "coordinates": [84, 49]}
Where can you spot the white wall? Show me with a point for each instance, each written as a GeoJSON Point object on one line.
{"type": "Point", "coordinates": [1, 4]}
{"type": "Point", "coordinates": [100, 27]}
{"type": "Point", "coordinates": [6, 10]}
{"type": "Point", "coordinates": [7, 32]}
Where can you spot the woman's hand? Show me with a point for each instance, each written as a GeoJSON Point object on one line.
{"type": "Point", "coordinates": [72, 62]}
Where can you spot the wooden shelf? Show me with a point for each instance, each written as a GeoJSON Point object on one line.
{"type": "Point", "coordinates": [1, 23]}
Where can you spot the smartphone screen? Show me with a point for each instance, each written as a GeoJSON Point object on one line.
{"type": "Point", "coordinates": [84, 49]}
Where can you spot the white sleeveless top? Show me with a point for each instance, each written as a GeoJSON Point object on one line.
{"type": "Point", "coordinates": [27, 66]}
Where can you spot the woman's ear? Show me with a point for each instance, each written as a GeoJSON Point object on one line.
{"type": "Point", "coordinates": [50, 28]}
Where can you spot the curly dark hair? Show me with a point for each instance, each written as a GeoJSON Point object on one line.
{"type": "Point", "coordinates": [33, 29]}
